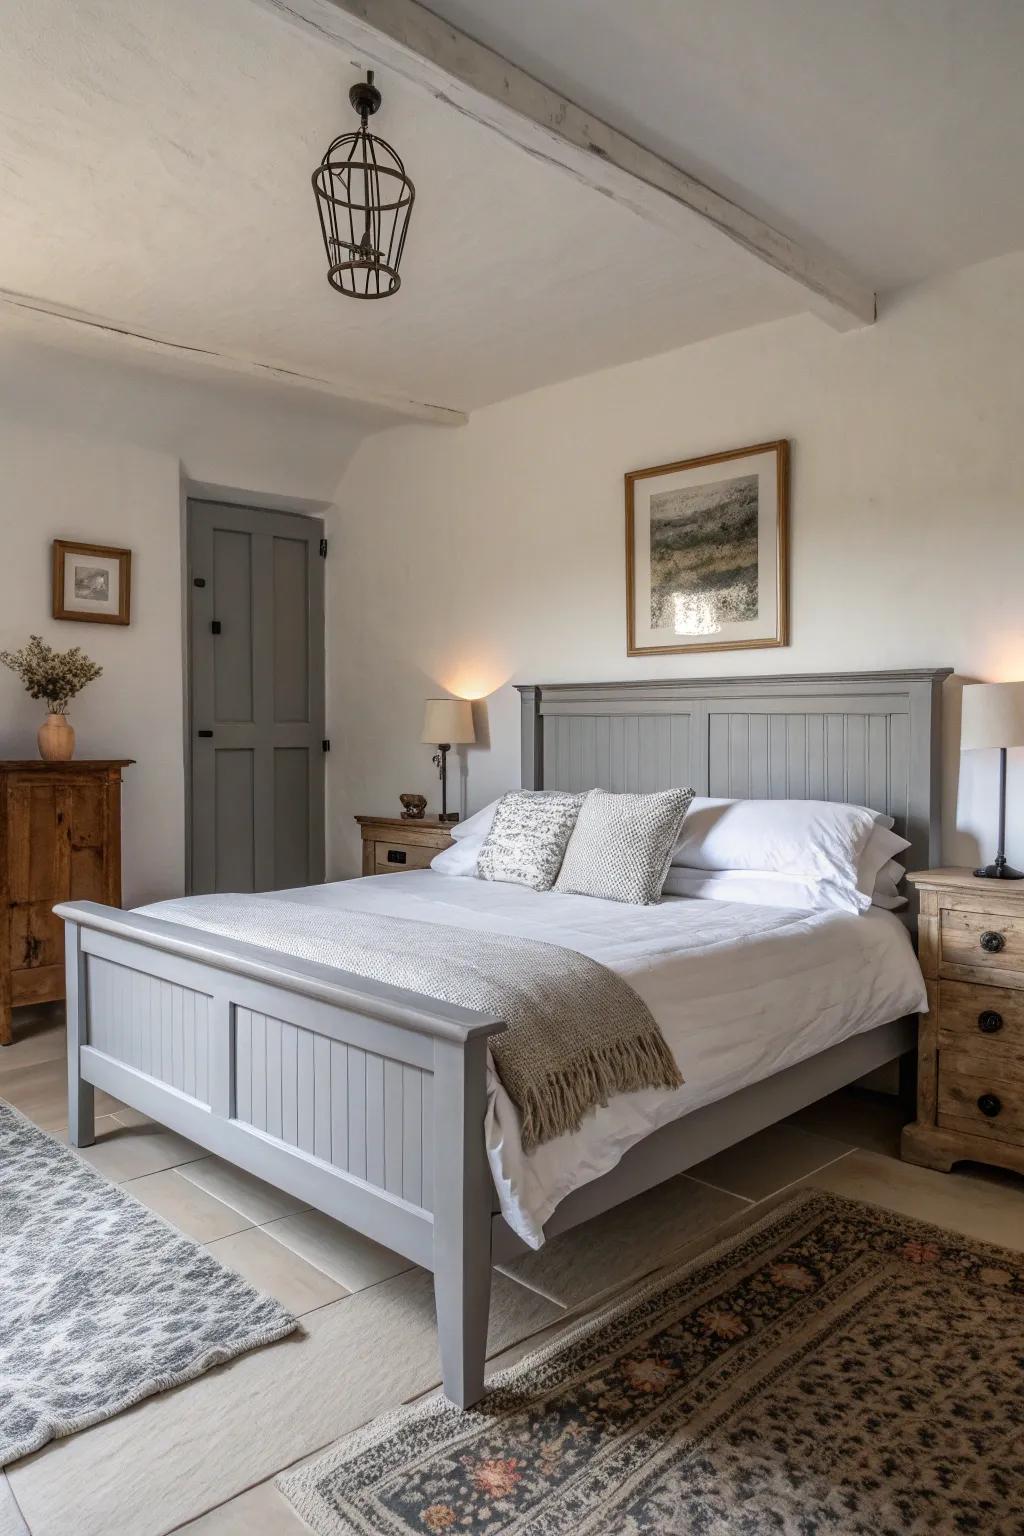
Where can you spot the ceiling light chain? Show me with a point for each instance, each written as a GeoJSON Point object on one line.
{"type": "Point", "coordinates": [364, 199]}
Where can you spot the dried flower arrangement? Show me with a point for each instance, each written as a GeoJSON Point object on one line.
{"type": "Point", "coordinates": [56, 676]}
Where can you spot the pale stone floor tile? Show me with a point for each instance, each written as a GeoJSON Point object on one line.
{"type": "Point", "coordinates": [625, 1242]}
{"type": "Point", "coordinates": [39, 1035]}
{"type": "Point", "coordinates": [275, 1269]}
{"type": "Point", "coordinates": [105, 1126]}
{"type": "Point", "coordinates": [40, 1090]}
{"type": "Point", "coordinates": [872, 1121]}
{"type": "Point", "coordinates": [768, 1161]}
{"type": "Point", "coordinates": [177, 1455]}
{"type": "Point", "coordinates": [11, 1522]}
{"type": "Point", "coordinates": [128, 1116]}
{"type": "Point", "coordinates": [987, 1209]}
{"type": "Point", "coordinates": [126, 1152]}
{"type": "Point", "coordinates": [259, 1201]}
{"type": "Point", "coordinates": [260, 1511]}
{"type": "Point", "coordinates": [186, 1206]}
{"type": "Point", "coordinates": [353, 1260]}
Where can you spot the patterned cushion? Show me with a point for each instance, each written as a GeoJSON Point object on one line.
{"type": "Point", "coordinates": [528, 837]}
{"type": "Point", "coordinates": [621, 845]}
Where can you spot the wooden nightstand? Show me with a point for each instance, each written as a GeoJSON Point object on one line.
{"type": "Point", "coordinates": [391, 844]}
{"type": "Point", "coordinates": [970, 1085]}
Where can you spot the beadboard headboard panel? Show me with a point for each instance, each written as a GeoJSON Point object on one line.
{"type": "Point", "coordinates": [870, 738]}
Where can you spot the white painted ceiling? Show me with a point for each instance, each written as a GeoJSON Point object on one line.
{"type": "Point", "coordinates": [155, 161]}
{"type": "Point", "coordinates": [891, 131]}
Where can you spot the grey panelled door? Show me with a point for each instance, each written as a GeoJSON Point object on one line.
{"type": "Point", "coordinates": [256, 580]}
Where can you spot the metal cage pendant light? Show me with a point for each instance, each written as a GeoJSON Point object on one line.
{"type": "Point", "coordinates": [364, 199]}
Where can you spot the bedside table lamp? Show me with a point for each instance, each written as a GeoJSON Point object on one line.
{"type": "Point", "coordinates": [447, 723]}
{"type": "Point", "coordinates": [993, 716]}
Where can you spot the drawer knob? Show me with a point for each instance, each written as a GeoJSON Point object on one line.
{"type": "Point", "coordinates": [990, 1104]}
{"type": "Point", "coordinates": [992, 942]}
{"type": "Point", "coordinates": [990, 1022]}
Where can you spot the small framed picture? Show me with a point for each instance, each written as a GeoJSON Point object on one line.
{"type": "Point", "coordinates": [706, 554]}
{"type": "Point", "coordinates": [91, 582]}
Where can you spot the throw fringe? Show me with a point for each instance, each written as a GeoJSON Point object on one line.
{"type": "Point", "coordinates": [556, 1105]}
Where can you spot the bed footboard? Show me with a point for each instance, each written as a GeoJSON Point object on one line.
{"type": "Point", "coordinates": [365, 1100]}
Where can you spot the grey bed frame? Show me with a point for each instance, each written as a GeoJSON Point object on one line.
{"type": "Point", "coordinates": [367, 1101]}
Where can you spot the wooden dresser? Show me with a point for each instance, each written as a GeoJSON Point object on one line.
{"type": "Point", "coordinates": [391, 844]}
{"type": "Point", "coordinates": [60, 840]}
{"type": "Point", "coordinates": [970, 1093]}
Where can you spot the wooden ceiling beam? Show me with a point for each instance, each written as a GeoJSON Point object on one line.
{"type": "Point", "coordinates": [58, 322]}
{"type": "Point", "coordinates": [405, 37]}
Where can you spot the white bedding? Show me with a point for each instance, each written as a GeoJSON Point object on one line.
{"type": "Point", "coordinates": [739, 992]}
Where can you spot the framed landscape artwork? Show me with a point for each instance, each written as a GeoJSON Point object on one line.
{"type": "Point", "coordinates": [706, 554]}
{"type": "Point", "coordinates": [91, 582]}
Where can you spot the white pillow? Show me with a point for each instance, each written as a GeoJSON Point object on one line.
{"type": "Point", "coordinates": [768, 890]}
{"type": "Point", "coordinates": [479, 824]}
{"type": "Point", "coordinates": [811, 839]}
{"type": "Point", "coordinates": [878, 860]}
{"type": "Point", "coordinates": [460, 858]}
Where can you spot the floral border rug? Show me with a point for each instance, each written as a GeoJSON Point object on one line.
{"type": "Point", "coordinates": [832, 1368]}
{"type": "Point", "coordinates": [101, 1301]}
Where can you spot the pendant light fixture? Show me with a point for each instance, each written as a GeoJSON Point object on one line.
{"type": "Point", "coordinates": [364, 199]}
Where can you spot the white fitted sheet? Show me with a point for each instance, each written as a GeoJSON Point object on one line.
{"type": "Point", "coordinates": [739, 991]}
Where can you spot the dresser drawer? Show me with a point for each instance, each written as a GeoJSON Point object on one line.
{"type": "Point", "coordinates": [981, 1019]}
{"type": "Point", "coordinates": [391, 857]}
{"type": "Point", "coordinates": [982, 940]}
{"type": "Point", "coordinates": [984, 1103]}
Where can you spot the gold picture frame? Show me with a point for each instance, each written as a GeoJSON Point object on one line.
{"type": "Point", "coordinates": [92, 583]}
{"type": "Point", "coordinates": [707, 553]}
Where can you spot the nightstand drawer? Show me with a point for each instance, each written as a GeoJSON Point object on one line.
{"type": "Point", "coordinates": [982, 1103]}
{"type": "Point", "coordinates": [388, 857]}
{"type": "Point", "coordinates": [983, 940]}
{"type": "Point", "coordinates": [979, 1018]}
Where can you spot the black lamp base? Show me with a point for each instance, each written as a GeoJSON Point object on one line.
{"type": "Point", "coordinates": [1000, 870]}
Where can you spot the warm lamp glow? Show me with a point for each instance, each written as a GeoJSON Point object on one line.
{"type": "Point", "coordinates": [475, 680]}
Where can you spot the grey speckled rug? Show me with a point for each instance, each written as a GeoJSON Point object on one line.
{"type": "Point", "coordinates": [831, 1370]}
{"type": "Point", "coordinates": [102, 1303]}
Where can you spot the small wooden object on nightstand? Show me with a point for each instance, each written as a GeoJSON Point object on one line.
{"type": "Point", "coordinates": [970, 1086]}
{"type": "Point", "coordinates": [391, 844]}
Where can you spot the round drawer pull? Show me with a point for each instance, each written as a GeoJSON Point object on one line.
{"type": "Point", "coordinates": [990, 1022]}
{"type": "Point", "coordinates": [990, 1105]}
{"type": "Point", "coordinates": [992, 942]}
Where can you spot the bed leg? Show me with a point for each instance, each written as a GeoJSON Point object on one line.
{"type": "Point", "coordinates": [81, 1095]}
{"type": "Point", "coordinates": [462, 1217]}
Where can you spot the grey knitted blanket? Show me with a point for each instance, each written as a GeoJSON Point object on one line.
{"type": "Point", "coordinates": [577, 1033]}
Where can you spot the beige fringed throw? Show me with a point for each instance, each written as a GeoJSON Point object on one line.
{"type": "Point", "coordinates": [577, 1033]}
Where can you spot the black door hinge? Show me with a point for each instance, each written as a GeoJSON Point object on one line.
{"type": "Point", "coordinates": [326, 743]}
{"type": "Point", "coordinates": [323, 549]}
{"type": "Point", "coordinates": [215, 626]}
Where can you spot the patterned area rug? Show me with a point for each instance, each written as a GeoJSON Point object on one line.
{"type": "Point", "coordinates": [833, 1368]}
{"type": "Point", "coordinates": [101, 1301]}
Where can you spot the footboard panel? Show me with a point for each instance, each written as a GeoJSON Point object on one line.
{"type": "Point", "coordinates": [355, 1109]}
{"type": "Point", "coordinates": [158, 1027]}
{"type": "Point", "coordinates": [347, 1094]}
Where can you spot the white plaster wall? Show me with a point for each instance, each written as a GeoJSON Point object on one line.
{"type": "Point", "coordinates": [97, 451]}
{"type": "Point", "coordinates": [470, 558]}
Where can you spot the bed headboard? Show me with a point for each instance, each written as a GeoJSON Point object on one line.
{"type": "Point", "coordinates": [871, 738]}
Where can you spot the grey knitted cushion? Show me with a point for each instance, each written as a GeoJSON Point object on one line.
{"type": "Point", "coordinates": [621, 845]}
{"type": "Point", "coordinates": [528, 837]}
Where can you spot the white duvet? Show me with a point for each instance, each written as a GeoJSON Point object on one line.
{"type": "Point", "coordinates": [739, 993]}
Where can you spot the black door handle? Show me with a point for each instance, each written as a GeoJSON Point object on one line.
{"type": "Point", "coordinates": [992, 942]}
{"type": "Point", "coordinates": [204, 733]}
{"type": "Point", "coordinates": [990, 1022]}
{"type": "Point", "coordinates": [990, 1104]}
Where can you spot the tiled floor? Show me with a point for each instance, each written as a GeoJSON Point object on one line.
{"type": "Point", "coordinates": [202, 1458]}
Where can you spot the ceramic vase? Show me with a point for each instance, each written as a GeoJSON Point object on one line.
{"type": "Point", "coordinates": [56, 739]}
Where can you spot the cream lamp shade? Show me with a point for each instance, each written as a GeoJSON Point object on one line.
{"type": "Point", "coordinates": [448, 720]}
{"type": "Point", "coordinates": [993, 715]}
